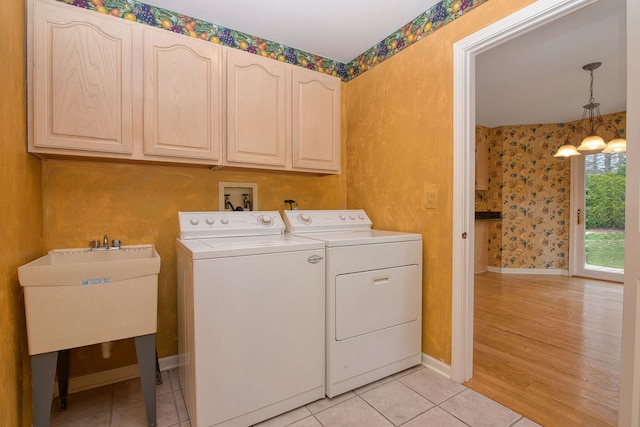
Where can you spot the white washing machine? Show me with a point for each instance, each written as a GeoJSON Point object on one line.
{"type": "Point", "coordinates": [251, 317]}
{"type": "Point", "coordinates": [374, 296]}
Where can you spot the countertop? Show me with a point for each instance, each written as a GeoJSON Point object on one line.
{"type": "Point", "coordinates": [488, 216]}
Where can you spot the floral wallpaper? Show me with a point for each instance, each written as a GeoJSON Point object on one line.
{"type": "Point", "coordinates": [436, 17]}
{"type": "Point", "coordinates": [532, 190]}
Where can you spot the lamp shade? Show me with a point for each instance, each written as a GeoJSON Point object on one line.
{"type": "Point", "coordinates": [567, 150]}
{"type": "Point", "coordinates": [592, 143]}
{"type": "Point", "coordinates": [618, 145]}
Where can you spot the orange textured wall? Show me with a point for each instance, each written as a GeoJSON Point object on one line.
{"type": "Point", "coordinates": [21, 218]}
{"type": "Point", "coordinates": [400, 138]}
{"type": "Point", "coordinates": [139, 204]}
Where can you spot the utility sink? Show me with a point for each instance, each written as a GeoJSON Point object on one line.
{"type": "Point", "coordinates": [78, 297]}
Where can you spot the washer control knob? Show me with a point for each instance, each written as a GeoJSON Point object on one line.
{"type": "Point", "coordinates": [210, 221]}
{"type": "Point", "coordinates": [352, 217]}
{"type": "Point", "coordinates": [342, 217]}
{"type": "Point", "coordinates": [361, 217]}
{"type": "Point", "coordinates": [194, 221]}
{"type": "Point", "coordinates": [265, 220]}
{"type": "Point", "coordinates": [304, 218]}
{"type": "Point", "coordinates": [225, 221]}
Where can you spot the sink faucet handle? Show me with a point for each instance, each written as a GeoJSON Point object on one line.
{"type": "Point", "coordinates": [105, 241]}
{"type": "Point", "coordinates": [94, 244]}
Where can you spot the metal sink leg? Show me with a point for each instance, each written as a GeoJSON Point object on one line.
{"type": "Point", "coordinates": [146, 352]}
{"type": "Point", "coordinates": [43, 370]}
{"type": "Point", "coordinates": [63, 378]}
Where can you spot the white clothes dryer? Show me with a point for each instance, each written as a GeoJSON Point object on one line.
{"type": "Point", "coordinates": [374, 296]}
{"type": "Point", "coordinates": [251, 317]}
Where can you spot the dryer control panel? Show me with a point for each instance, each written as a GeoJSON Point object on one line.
{"type": "Point", "coordinates": [307, 221]}
{"type": "Point", "coordinates": [197, 225]}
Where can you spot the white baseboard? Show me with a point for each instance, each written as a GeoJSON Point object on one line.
{"type": "Point", "coordinates": [169, 362]}
{"type": "Point", "coordinates": [436, 365]}
{"type": "Point", "coordinates": [113, 376]}
{"type": "Point", "coordinates": [539, 271]}
{"type": "Point", "coordinates": [125, 373]}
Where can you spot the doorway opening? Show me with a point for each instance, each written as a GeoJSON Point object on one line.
{"type": "Point", "coordinates": [465, 51]}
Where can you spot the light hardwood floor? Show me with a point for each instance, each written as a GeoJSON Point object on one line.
{"type": "Point", "coordinates": [548, 347]}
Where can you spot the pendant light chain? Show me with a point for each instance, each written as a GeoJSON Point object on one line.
{"type": "Point", "coordinates": [591, 105]}
{"type": "Point", "coordinates": [591, 100]}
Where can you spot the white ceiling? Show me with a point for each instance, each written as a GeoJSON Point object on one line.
{"type": "Point", "coordinates": [538, 77]}
{"type": "Point", "coordinates": [335, 29]}
{"type": "Point", "coordinates": [535, 78]}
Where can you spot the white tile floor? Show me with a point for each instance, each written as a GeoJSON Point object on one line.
{"type": "Point", "coordinates": [412, 398]}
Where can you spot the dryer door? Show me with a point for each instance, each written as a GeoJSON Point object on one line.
{"type": "Point", "coordinates": [370, 301]}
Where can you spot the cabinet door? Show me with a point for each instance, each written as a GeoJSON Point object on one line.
{"type": "Point", "coordinates": [81, 82]}
{"type": "Point", "coordinates": [258, 102]}
{"type": "Point", "coordinates": [316, 121]}
{"type": "Point", "coordinates": [182, 96]}
{"type": "Point", "coordinates": [481, 249]}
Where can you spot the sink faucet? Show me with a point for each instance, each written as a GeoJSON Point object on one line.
{"type": "Point", "coordinates": [96, 245]}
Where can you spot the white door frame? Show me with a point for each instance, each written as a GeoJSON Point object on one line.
{"type": "Point", "coordinates": [629, 411]}
{"type": "Point", "coordinates": [464, 52]}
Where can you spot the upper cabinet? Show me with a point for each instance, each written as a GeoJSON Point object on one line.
{"type": "Point", "coordinates": [316, 121]}
{"type": "Point", "coordinates": [258, 96]}
{"type": "Point", "coordinates": [280, 116]}
{"type": "Point", "coordinates": [81, 84]}
{"type": "Point", "coordinates": [104, 87]}
{"type": "Point", "coordinates": [182, 97]}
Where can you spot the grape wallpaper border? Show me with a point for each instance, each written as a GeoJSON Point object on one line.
{"type": "Point", "coordinates": [426, 23]}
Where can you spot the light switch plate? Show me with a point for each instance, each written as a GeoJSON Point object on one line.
{"type": "Point", "coordinates": [430, 200]}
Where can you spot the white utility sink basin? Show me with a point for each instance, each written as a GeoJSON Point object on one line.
{"type": "Point", "coordinates": [78, 297]}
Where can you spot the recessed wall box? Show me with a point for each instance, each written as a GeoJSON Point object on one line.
{"type": "Point", "coordinates": [238, 196]}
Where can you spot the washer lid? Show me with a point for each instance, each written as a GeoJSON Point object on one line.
{"type": "Point", "coordinates": [221, 247]}
{"type": "Point", "coordinates": [361, 237]}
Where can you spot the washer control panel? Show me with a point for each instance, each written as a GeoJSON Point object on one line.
{"type": "Point", "coordinates": [196, 225]}
{"type": "Point", "coordinates": [307, 221]}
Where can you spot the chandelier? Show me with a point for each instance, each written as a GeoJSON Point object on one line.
{"type": "Point", "coordinates": [590, 124]}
